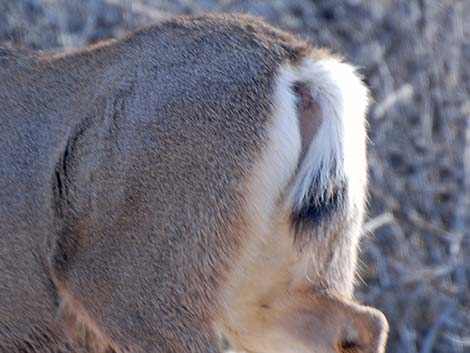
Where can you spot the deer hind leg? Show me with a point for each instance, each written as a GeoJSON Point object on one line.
{"type": "Point", "coordinates": [291, 289]}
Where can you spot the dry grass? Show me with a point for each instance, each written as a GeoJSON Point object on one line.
{"type": "Point", "coordinates": [415, 55]}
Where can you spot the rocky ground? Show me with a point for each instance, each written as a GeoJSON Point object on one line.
{"type": "Point", "coordinates": [415, 56]}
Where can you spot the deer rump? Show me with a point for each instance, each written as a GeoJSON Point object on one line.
{"type": "Point", "coordinates": [160, 190]}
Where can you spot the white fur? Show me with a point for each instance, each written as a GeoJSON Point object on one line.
{"type": "Point", "coordinates": [337, 150]}
{"type": "Point", "coordinates": [269, 263]}
{"type": "Point", "coordinates": [336, 154]}
{"type": "Point", "coordinates": [266, 246]}
{"type": "Point", "coordinates": [279, 161]}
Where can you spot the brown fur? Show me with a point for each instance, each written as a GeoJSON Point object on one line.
{"type": "Point", "coordinates": [127, 188]}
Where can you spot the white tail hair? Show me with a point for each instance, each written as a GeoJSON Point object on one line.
{"type": "Point", "coordinates": [336, 153]}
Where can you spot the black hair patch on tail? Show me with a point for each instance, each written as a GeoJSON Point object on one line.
{"type": "Point", "coordinates": [318, 209]}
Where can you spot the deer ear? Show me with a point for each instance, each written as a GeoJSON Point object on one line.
{"type": "Point", "coordinates": [325, 323]}
{"type": "Point", "coordinates": [364, 329]}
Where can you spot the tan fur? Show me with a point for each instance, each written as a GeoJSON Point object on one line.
{"type": "Point", "coordinates": [80, 328]}
{"type": "Point", "coordinates": [205, 175]}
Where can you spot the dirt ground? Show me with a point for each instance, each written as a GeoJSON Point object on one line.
{"type": "Point", "coordinates": [415, 56]}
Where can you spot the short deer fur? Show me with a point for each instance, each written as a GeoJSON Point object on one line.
{"type": "Point", "coordinates": [203, 177]}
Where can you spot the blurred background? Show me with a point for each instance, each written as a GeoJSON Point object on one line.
{"type": "Point", "coordinates": [415, 57]}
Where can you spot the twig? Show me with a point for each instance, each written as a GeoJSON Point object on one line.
{"type": "Point", "coordinates": [404, 93]}
{"type": "Point", "coordinates": [373, 224]}
{"type": "Point", "coordinates": [430, 337]}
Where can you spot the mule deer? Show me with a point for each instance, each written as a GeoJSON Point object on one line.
{"type": "Point", "coordinates": [201, 177]}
